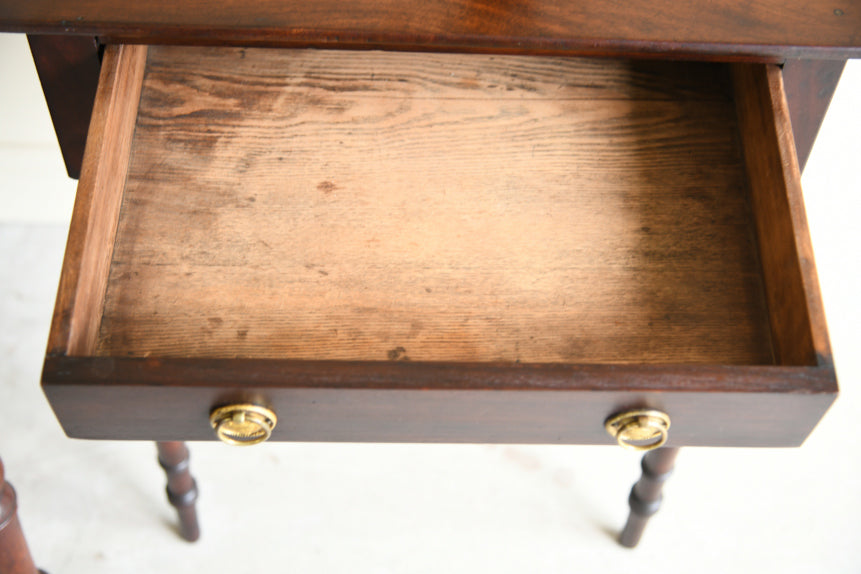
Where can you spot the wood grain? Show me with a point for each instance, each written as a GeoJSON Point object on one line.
{"type": "Point", "coordinates": [766, 30]}
{"type": "Point", "coordinates": [379, 206]}
{"type": "Point", "coordinates": [305, 189]}
{"type": "Point", "coordinates": [797, 319]}
{"type": "Point", "coordinates": [81, 293]}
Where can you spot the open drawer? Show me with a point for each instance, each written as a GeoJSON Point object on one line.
{"type": "Point", "coordinates": [420, 247]}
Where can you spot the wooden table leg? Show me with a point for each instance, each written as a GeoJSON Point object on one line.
{"type": "Point", "coordinates": [181, 487]}
{"type": "Point", "coordinates": [645, 499]}
{"type": "Point", "coordinates": [14, 554]}
{"type": "Point", "coordinates": [809, 86]}
{"type": "Point", "coordinates": [68, 68]}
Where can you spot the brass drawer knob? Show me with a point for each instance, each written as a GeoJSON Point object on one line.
{"type": "Point", "coordinates": [243, 424]}
{"type": "Point", "coordinates": [640, 430]}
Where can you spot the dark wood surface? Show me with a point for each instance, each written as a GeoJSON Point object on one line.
{"type": "Point", "coordinates": [809, 86]}
{"type": "Point", "coordinates": [68, 68]}
{"type": "Point", "coordinates": [170, 399]}
{"type": "Point", "coordinates": [182, 492]}
{"type": "Point", "coordinates": [765, 30]}
{"type": "Point", "coordinates": [14, 554]}
{"type": "Point", "coordinates": [646, 496]}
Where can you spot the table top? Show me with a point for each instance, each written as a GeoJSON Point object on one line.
{"type": "Point", "coordinates": [763, 30]}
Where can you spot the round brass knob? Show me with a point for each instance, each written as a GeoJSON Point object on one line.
{"type": "Point", "coordinates": [243, 424]}
{"type": "Point", "coordinates": [640, 430]}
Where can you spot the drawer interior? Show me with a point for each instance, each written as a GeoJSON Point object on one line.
{"type": "Point", "coordinates": [372, 206]}
{"type": "Point", "coordinates": [417, 247]}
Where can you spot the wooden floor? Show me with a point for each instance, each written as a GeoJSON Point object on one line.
{"type": "Point", "coordinates": [392, 206]}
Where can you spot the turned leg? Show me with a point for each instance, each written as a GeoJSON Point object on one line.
{"type": "Point", "coordinates": [645, 499]}
{"type": "Point", "coordinates": [14, 554]}
{"type": "Point", "coordinates": [181, 487]}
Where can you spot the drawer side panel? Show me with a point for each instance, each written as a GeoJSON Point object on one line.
{"type": "Point", "coordinates": [795, 309]}
{"type": "Point", "coordinates": [89, 249]}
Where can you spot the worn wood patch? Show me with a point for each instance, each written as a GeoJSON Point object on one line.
{"type": "Point", "coordinates": [380, 206]}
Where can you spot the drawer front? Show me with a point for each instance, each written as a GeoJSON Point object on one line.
{"type": "Point", "coordinates": [438, 247]}
{"type": "Point", "coordinates": [171, 399]}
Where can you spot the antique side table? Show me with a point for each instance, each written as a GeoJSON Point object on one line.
{"type": "Point", "coordinates": [541, 222]}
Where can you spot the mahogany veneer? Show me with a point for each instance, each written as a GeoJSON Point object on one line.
{"type": "Point", "coordinates": [765, 30]}
{"type": "Point", "coordinates": [438, 247]}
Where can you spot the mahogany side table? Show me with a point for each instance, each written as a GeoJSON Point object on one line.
{"type": "Point", "coordinates": [369, 370]}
